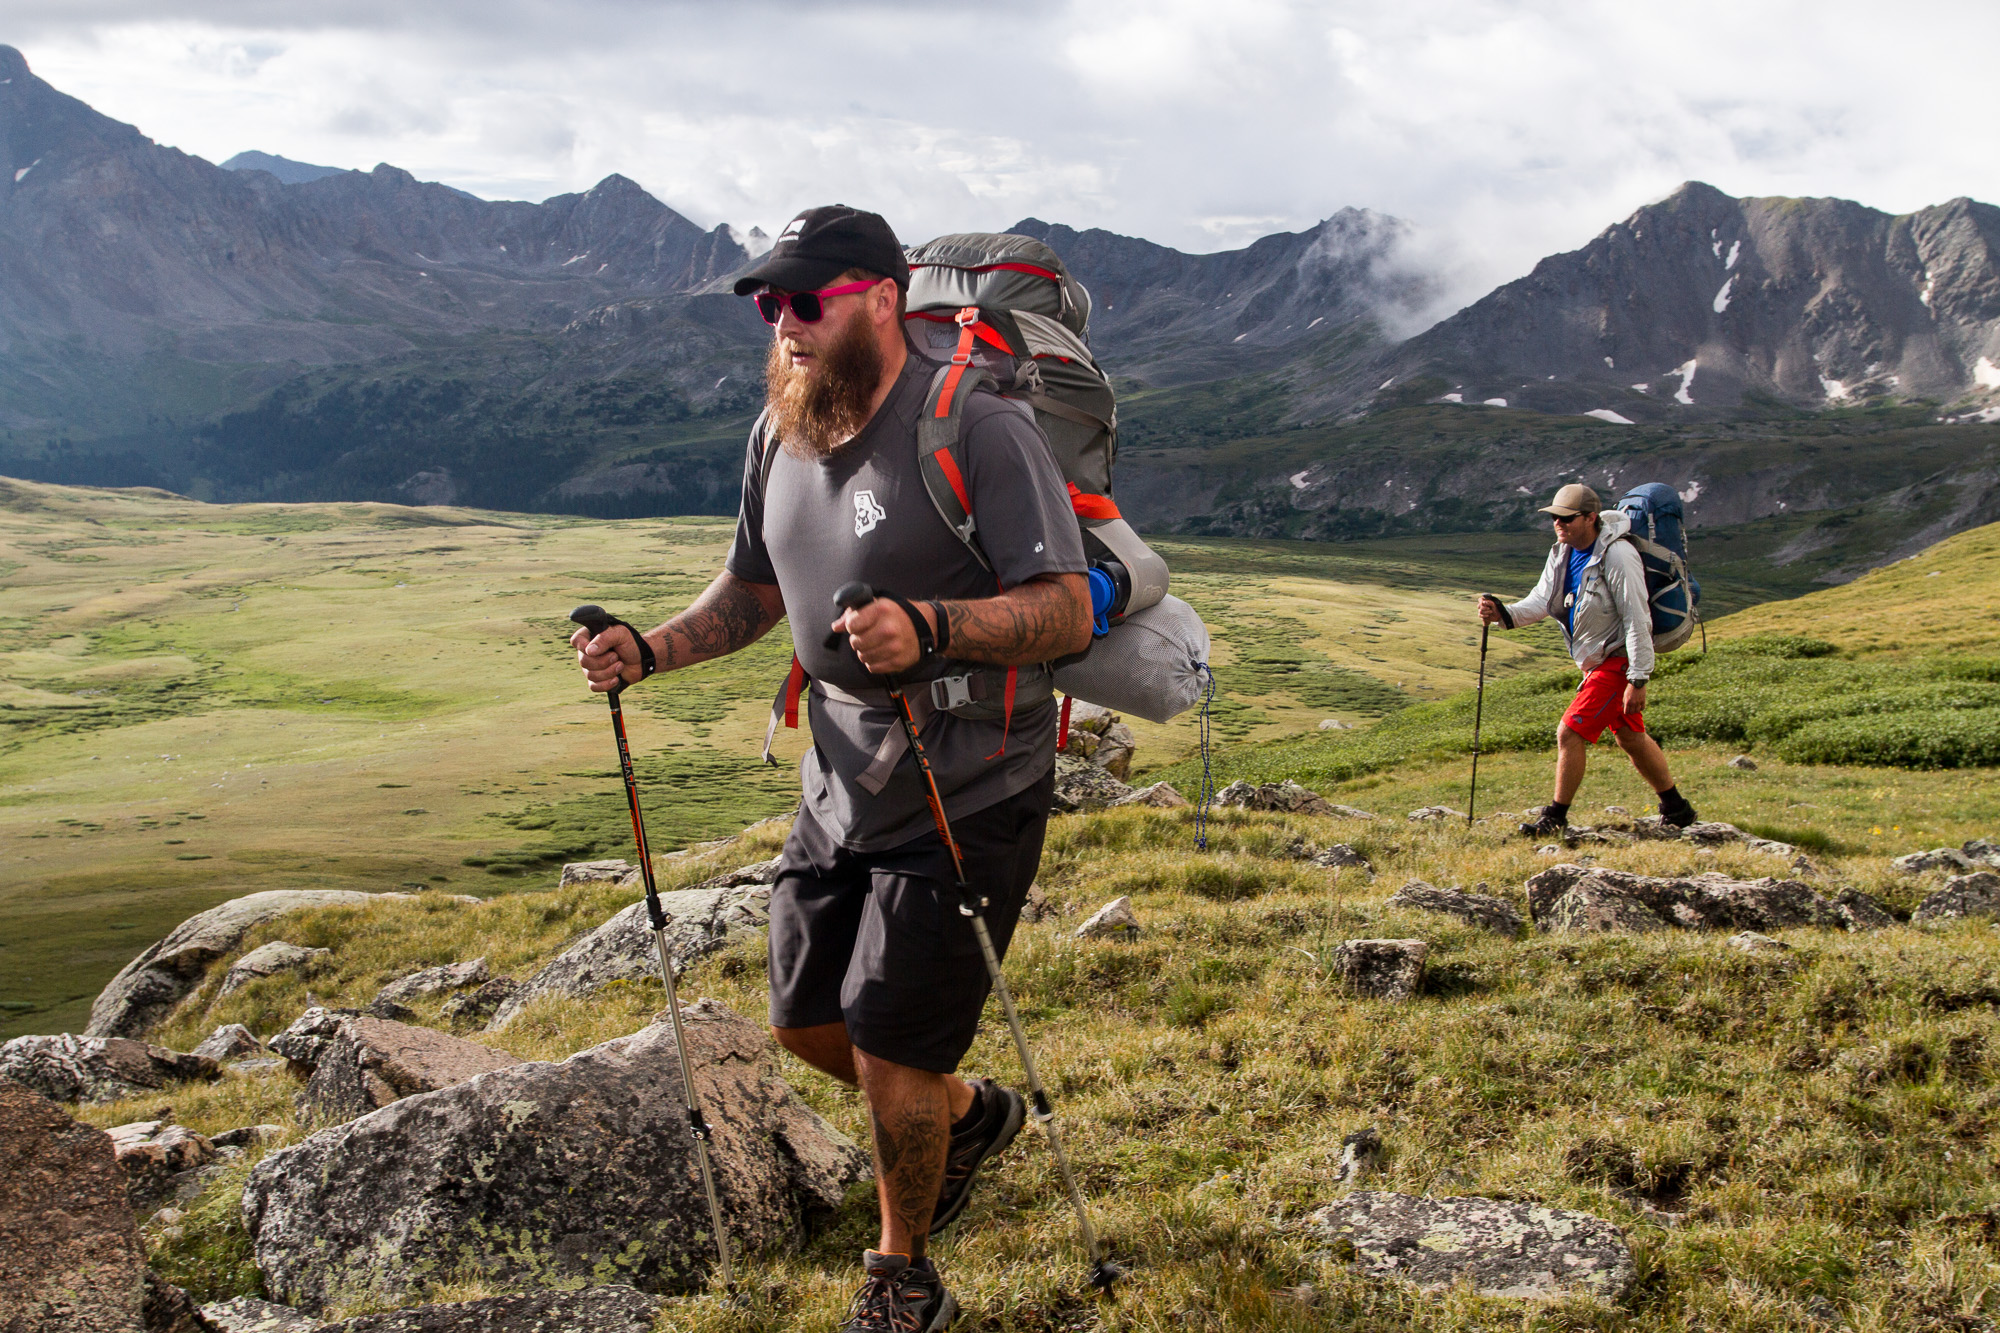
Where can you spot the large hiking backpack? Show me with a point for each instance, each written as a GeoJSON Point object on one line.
{"type": "Point", "coordinates": [1001, 311]}
{"type": "Point", "coordinates": [1659, 535]}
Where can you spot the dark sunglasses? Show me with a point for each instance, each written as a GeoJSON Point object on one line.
{"type": "Point", "coordinates": [808, 307]}
{"type": "Point", "coordinates": [1564, 520]}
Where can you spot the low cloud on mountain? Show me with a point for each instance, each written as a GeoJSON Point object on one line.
{"type": "Point", "coordinates": [1502, 130]}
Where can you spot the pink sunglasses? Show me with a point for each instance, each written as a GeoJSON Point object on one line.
{"type": "Point", "coordinates": [810, 307]}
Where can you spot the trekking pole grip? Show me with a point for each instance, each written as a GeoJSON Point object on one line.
{"type": "Point", "coordinates": [596, 619]}
{"type": "Point", "coordinates": [849, 597]}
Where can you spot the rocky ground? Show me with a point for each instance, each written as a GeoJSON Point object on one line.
{"type": "Point", "coordinates": [1342, 1068]}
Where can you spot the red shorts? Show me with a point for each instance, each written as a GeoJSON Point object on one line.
{"type": "Point", "coordinates": [1601, 703]}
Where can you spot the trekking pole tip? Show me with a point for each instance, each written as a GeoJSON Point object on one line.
{"type": "Point", "coordinates": [1104, 1273]}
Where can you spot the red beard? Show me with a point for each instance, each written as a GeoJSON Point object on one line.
{"type": "Point", "coordinates": [818, 407]}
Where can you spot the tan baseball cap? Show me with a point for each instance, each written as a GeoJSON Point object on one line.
{"type": "Point", "coordinates": [1575, 498]}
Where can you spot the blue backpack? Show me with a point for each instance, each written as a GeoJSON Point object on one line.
{"type": "Point", "coordinates": [1658, 534]}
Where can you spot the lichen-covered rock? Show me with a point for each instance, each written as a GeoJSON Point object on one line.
{"type": "Point", "coordinates": [1744, 762]}
{"type": "Point", "coordinates": [247, 1314]}
{"type": "Point", "coordinates": [1161, 796]}
{"type": "Point", "coordinates": [1097, 734]}
{"type": "Point", "coordinates": [1501, 1248]}
{"type": "Point", "coordinates": [1582, 898]}
{"type": "Point", "coordinates": [594, 872]}
{"type": "Point", "coordinates": [1082, 785]}
{"type": "Point", "coordinates": [158, 979]}
{"type": "Point", "coordinates": [230, 1041]}
{"type": "Point", "coordinates": [1937, 858]}
{"type": "Point", "coordinates": [69, 1068]}
{"type": "Point", "coordinates": [1382, 969]}
{"type": "Point", "coordinates": [267, 960]}
{"type": "Point", "coordinates": [1977, 894]}
{"type": "Point", "coordinates": [433, 981]}
{"type": "Point", "coordinates": [699, 921]}
{"type": "Point", "coordinates": [1431, 814]}
{"type": "Point", "coordinates": [1749, 941]}
{"type": "Point", "coordinates": [357, 1063]}
{"type": "Point", "coordinates": [165, 1308]}
{"type": "Point", "coordinates": [546, 1174]}
{"type": "Point", "coordinates": [1478, 909]}
{"type": "Point", "coordinates": [1285, 797]}
{"type": "Point", "coordinates": [1864, 912]}
{"type": "Point", "coordinates": [1337, 857]}
{"type": "Point", "coordinates": [473, 1007]}
{"type": "Point", "coordinates": [1113, 921]}
{"type": "Point", "coordinates": [614, 1308]}
{"type": "Point", "coordinates": [70, 1256]}
{"type": "Point", "coordinates": [152, 1154]}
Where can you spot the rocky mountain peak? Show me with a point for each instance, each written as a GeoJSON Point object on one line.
{"type": "Point", "coordinates": [13, 64]}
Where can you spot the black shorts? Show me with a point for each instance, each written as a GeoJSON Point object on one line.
{"type": "Point", "coordinates": [875, 940]}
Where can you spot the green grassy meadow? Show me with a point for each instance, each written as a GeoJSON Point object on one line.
{"type": "Point", "coordinates": [369, 696]}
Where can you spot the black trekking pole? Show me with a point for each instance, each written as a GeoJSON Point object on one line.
{"type": "Point", "coordinates": [1478, 713]}
{"type": "Point", "coordinates": [1103, 1272]}
{"type": "Point", "coordinates": [596, 619]}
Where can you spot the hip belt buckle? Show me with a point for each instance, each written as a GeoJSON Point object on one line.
{"type": "Point", "coordinates": [949, 692]}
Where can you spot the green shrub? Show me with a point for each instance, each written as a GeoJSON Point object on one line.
{"type": "Point", "coordinates": [1958, 739]}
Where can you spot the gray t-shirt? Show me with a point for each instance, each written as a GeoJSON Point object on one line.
{"type": "Point", "coordinates": [864, 514]}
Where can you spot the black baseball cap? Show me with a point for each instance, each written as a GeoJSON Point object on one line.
{"type": "Point", "coordinates": [822, 243]}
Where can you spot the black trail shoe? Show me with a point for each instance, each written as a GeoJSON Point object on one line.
{"type": "Point", "coordinates": [1005, 1113]}
{"type": "Point", "coordinates": [1547, 826]}
{"type": "Point", "coordinates": [900, 1297]}
{"type": "Point", "coordinates": [1678, 814]}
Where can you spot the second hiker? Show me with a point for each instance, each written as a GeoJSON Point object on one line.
{"type": "Point", "coordinates": [1594, 584]}
{"type": "Point", "coordinates": [876, 977]}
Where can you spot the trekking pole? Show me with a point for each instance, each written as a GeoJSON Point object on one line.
{"type": "Point", "coordinates": [1103, 1272]}
{"type": "Point", "coordinates": [1478, 713]}
{"type": "Point", "coordinates": [596, 619]}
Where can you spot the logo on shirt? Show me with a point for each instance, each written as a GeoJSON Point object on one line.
{"type": "Point", "coordinates": [867, 513]}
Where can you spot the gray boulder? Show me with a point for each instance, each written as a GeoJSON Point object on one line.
{"type": "Point", "coordinates": [1478, 909]}
{"type": "Point", "coordinates": [70, 1256]}
{"type": "Point", "coordinates": [699, 921]}
{"type": "Point", "coordinates": [1431, 814]}
{"type": "Point", "coordinates": [161, 977]}
{"type": "Point", "coordinates": [473, 1008]}
{"type": "Point", "coordinates": [615, 1308]}
{"type": "Point", "coordinates": [1082, 785]}
{"type": "Point", "coordinates": [1113, 921]}
{"type": "Point", "coordinates": [594, 872]}
{"type": "Point", "coordinates": [433, 981]}
{"type": "Point", "coordinates": [1097, 734]}
{"type": "Point", "coordinates": [1864, 912]}
{"type": "Point", "coordinates": [247, 1314]}
{"type": "Point", "coordinates": [357, 1063]}
{"type": "Point", "coordinates": [1977, 894]}
{"type": "Point", "coordinates": [1501, 1248]}
{"type": "Point", "coordinates": [69, 1068]}
{"type": "Point", "coordinates": [1285, 797]}
{"type": "Point", "coordinates": [230, 1041]}
{"type": "Point", "coordinates": [550, 1174]}
{"type": "Point", "coordinates": [1938, 858]}
{"type": "Point", "coordinates": [1340, 856]}
{"type": "Point", "coordinates": [1583, 898]}
{"type": "Point", "coordinates": [1382, 969]}
{"type": "Point", "coordinates": [1160, 796]}
{"type": "Point", "coordinates": [1710, 833]}
{"type": "Point", "coordinates": [267, 960]}
{"type": "Point", "coordinates": [1744, 762]}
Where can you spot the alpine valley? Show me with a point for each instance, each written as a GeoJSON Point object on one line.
{"type": "Point", "coordinates": [1819, 379]}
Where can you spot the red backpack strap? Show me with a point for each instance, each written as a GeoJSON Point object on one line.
{"type": "Point", "coordinates": [939, 454]}
{"type": "Point", "coordinates": [785, 706]}
{"type": "Point", "coordinates": [1062, 724]}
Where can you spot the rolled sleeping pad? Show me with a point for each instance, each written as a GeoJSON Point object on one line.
{"type": "Point", "coordinates": [1149, 665]}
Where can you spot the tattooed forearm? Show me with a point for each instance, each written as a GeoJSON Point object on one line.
{"type": "Point", "coordinates": [1038, 621]}
{"type": "Point", "coordinates": [730, 614]}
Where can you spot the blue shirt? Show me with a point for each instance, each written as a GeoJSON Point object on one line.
{"type": "Point", "coordinates": [1577, 560]}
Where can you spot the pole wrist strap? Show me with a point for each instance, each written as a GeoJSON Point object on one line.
{"type": "Point", "coordinates": [927, 647]}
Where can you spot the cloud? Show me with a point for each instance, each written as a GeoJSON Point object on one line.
{"type": "Point", "coordinates": [1503, 129]}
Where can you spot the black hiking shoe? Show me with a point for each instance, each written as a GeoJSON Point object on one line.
{"type": "Point", "coordinates": [899, 1297]}
{"type": "Point", "coordinates": [1005, 1113]}
{"type": "Point", "coordinates": [1678, 814]}
{"type": "Point", "coordinates": [1547, 826]}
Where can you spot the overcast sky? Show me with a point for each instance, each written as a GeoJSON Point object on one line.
{"type": "Point", "coordinates": [1505, 129]}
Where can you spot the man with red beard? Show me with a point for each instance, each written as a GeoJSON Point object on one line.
{"type": "Point", "coordinates": [876, 977]}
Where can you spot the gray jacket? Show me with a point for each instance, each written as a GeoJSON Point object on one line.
{"type": "Point", "coordinates": [1613, 615]}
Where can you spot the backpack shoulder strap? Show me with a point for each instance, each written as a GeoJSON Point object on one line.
{"type": "Point", "coordinates": [940, 456]}
{"type": "Point", "coordinates": [767, 445]}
